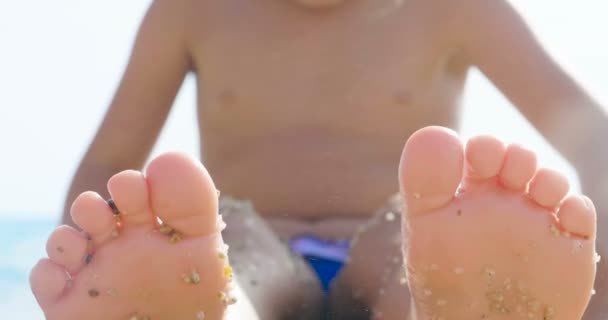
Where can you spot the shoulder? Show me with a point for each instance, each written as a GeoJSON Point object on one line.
{"type": "Point", "coordinates": [473, 18]}
{"type": "Point", "coordinates": [477, 26]}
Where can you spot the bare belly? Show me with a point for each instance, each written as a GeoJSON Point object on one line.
{"type": "Point", "coordinates": [310, 181]}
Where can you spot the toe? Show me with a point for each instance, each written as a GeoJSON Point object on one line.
{"type": "Point", "coordinates": [48, 281]}
{"type": "Point", "coordinates": [548, 188]}
{"type": "Point", "coordinates": [430, 169]}
{"type": "Point", "coordinates": [485, 155]}
{"type": "Point", "coordinates": [67, 247]}
{"type": "Point", "coordinates": [182, 194]}
{"type": "Point", "coordinates": [518, 167]}
{"type": "Point", "coordinates": [129, 190]}
{"type": "Point", "coordinates": [92, 213]}
{"type": "Point", "coordinates": [577, 216]}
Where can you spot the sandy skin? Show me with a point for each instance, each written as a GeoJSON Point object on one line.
{"type": "Point", "coordinates": [502, 239]}
{"type": "Point", "coordinates": [502, 244]}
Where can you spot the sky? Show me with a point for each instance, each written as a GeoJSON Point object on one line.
{"type": "Point", "coordinates": [60, 62]}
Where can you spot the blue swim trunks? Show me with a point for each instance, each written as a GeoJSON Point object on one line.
{"type": "Point", "coordinates": [325, 257]}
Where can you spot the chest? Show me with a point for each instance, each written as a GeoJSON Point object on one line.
{"type": "Point", "coordinates": [360, 72]}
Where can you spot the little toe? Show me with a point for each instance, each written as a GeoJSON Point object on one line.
{"type": "Point", "coordinates": [430, 169]}
{"type": "Point", "coordinates": [577, 215]}
{"type": "Point", "coordinates": [518, 167]}
{"type": "Point", "coordinates": [182, 194]}
{"type": "Point", "coordinates": [48, 281]}
{"type": "Point", "coordinates": [93, 214]}
{"type": "Point", "coordinates": [485, 156]}
{"type": "Point", "coordinates": [129, 191]}
{"type": "Point", "coordinates": [548, 188]}
{"type": "Point", "coordinates": [67, 247]}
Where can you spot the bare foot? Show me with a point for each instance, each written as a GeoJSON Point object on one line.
{"type": "Point", "coordinates": [136, 269]}
{"type": "Point", "coordinates": [510, 244]}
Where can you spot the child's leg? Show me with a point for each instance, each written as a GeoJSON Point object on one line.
{"type": "Point", "coordinates": [277, 282]}
{"type": "Point", "coordinates": [374, 271]}
{"type": "Point", "coordinates": [496, 249]}
{"type": "Point", "coordinates": [140, 271]}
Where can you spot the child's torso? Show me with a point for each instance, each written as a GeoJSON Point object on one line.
{"type": "Point", "coordinates": [306, 112]}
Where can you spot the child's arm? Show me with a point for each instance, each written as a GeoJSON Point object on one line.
{"type": "Point", "coordinates": [156, 70]}
{"type": "Point", "coordinates": [495, 39]}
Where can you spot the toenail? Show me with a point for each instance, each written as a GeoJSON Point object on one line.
{"type": "Point", "coordinates": [441, 302]}
{"type": "Point", "coordinates": [459, 270]}
{"type": "Point", "coordinates": [113, 206]}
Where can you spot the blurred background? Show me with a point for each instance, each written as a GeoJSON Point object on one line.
{"type": "Point", "coordinates": [60, 62]}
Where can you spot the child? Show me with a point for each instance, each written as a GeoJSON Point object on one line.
{"type": "Point", "coordinates": [303, 108]}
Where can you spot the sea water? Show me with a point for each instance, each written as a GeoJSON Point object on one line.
{"type": "Point", "coordinates": [22, 243]}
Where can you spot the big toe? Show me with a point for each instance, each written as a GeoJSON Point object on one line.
{"type": "Point", "coordinates": [48, 280]}
{"type": "Point", "coordinates": [182, 194]}
{"type": "Point", "coordinates": [430, 169]}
